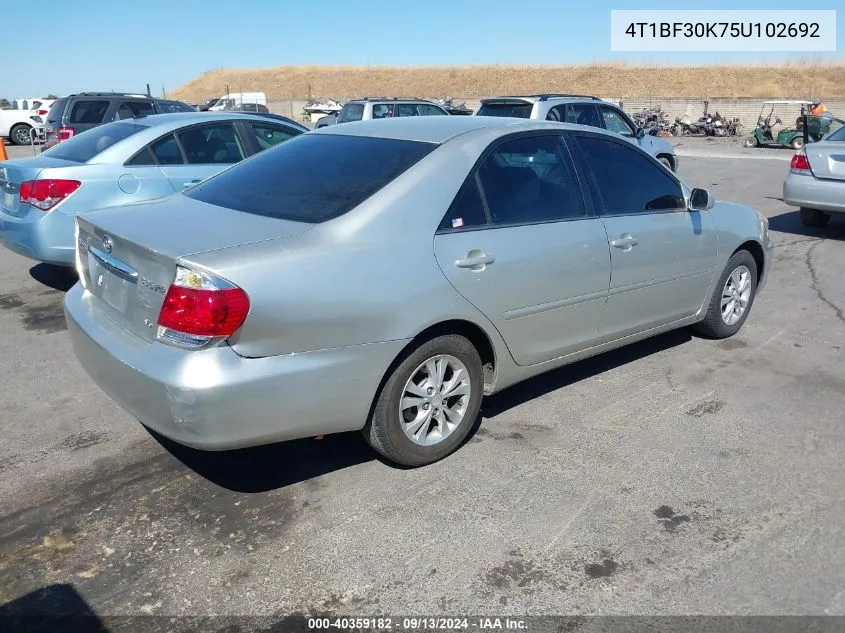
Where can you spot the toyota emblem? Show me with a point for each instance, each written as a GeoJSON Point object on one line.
{"type": "Point", "coordinates": [107, 243]}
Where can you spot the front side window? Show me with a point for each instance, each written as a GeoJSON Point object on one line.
{"type": "Point", "coordinates": [267, 135]}
{"type": "Point", "coordinates": [88, 112]}
{"type": "Point", "coordinates": [289, 182]}
{"type": "Point", "coordinates": [627, 181]}
{"type": "Point", "coordinates": [351, 112]}
{"type": "Point", "coordinates": [615, 122]}
{"type": "Point", "coordinates": [529, 180]}
{"type": "Point", "coordinates": [215, 144]}
{"type": "Point", "coordinates": [583, 114]}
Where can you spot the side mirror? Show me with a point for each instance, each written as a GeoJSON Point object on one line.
{"type": "Point", "coordinates": [640, 133]}
{"type": "Point", "coordinates": [701, 200]}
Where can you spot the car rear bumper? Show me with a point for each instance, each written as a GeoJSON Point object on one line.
{"type": "Point", "coordinates": [213, 399]}
{"type": "Point", "coordinates": [44, 237]}
{"type": "Point", "coordinates": [814, 193]}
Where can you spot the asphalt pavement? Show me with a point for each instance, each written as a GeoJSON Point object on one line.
{"type": "Point", "coordinates": [676, 476]}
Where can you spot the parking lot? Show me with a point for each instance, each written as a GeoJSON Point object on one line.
{"type": "Point", "coordinates": [679, 475]}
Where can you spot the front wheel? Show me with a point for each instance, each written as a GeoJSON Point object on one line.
{"type": "Point", "coordinates": [732, 298]}
{"type": "Point", "coordinates": [20, 134]}
{"type": "Point", "coordinates": [813, 217]}
{"type": "Point", "coordinates": [797, 143]}
{"type": "Point", "coordinates": [429, 402]}
{"type": "Point", "coordinates": [750, 141]}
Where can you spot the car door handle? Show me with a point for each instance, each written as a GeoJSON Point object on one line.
{"type": "Point", "coordinates": [191, 183]}
{"type": "Point", "coordinates": [625, 242]}
{"type": "Point", "coordinates": [475, 260]}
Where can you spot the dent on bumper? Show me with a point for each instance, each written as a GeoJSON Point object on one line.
{"type": "Point", "coordinates": [214, 399]}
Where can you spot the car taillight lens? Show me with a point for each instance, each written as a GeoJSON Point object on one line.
{"type": "Point", "coordinates": [43, 112]}
{"type": "Point", "coordinates": [199, 307]}
{"type": "Point", "coordinates": [46, 194]}
{"type": "Point", "coordinates": [66, 132]}
{"type": "Point", "coordinates": [800, 165]}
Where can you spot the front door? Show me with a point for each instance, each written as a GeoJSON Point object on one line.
{"type": "Point", "coordinates": [662, 255]}
{"type": "Point", "coordinates": [519, 245]}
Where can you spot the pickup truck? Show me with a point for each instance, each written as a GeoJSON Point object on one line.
{"type": "Point", "coordinates": [17, 125]}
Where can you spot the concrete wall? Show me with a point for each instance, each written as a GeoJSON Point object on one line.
{"type": "Point", "coordinates": [746, 109]}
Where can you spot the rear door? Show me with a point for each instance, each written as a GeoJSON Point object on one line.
{"type": "Point", "coordinates": [662, 255]}
{"type": "Point", "coordinates": [193, 154]}
{"type": "Point", "coordinates": [521, 244]}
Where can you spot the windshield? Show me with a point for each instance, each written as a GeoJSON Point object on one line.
{"type": "Point", "coordinates": [290, 181]}
{"type": "Point", "coordinates": [85, 146]}
{"type": "Point", "coordinates": [519, 110]}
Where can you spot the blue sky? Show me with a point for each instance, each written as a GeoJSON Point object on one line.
{"type": "Point", "coordinates": [99, 45]}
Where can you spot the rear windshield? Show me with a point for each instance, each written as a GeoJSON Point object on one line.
{"type": "Point", "coordinates": [55, 113]}
{"type": "Point", "coordinates": [311, 178]}
{"type": "Point", "coordinates": [86, 145]}
{"type": "Point", "coordinates": [838, 135]}
{"type": "Point", "coordinates": [519, 110]}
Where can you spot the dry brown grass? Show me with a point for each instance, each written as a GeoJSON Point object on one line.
{"type": "Point", "coordinates": [802, 78]}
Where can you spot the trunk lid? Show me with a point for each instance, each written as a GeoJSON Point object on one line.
{"type": "Point", "coordinates": [128, 255]}
{"type": "Point", "coordinates": [827, 159]}
{"type": "Point", "coordinates": [14, 172]}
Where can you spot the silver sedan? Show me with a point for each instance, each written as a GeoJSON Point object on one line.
{"type": "Point", "coordinates": [816, 180]}
{"type": "Point", "coordinates": [445, 259]}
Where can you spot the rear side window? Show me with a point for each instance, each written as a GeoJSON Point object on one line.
{"type": "Point", "coordinates": [583, 114]}
{"type": "Point", "coordinates": [519, 110]}
{"type": "Point", "coordinates": [88, 112]}
{"type": "Point", "coordinates": [130, 109]}
{"type": "Point", "coordinates": [384, 111]}
{"type": "Point", "coordinates": [627, 181]}
{"type": "Point", "coordinates": [311, 178]}
{"type": "Point", "coordinates": [83, 147]}
{"type": "Point", "coordinates": [407, 109]}
{"type": "Point", "coordinates": [467, 210]}
{"type": "Point", "coordinates": [211, 144]}
{"type": "Point", "coordinates": [351, 112]}
{"type": "Point", "coordinates": [166, 151]}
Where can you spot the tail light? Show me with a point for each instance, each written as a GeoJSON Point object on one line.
{"type": "Point", "coordinates": [46, 194]}
{"type": "Point", "coordinates": [66, 132]}
{"type": "Point", "coordinates": [800, 165]}
{"type": "Point", "coordinates": [199, 307]}
{"type": "Point", "coordinates": [43, 112]}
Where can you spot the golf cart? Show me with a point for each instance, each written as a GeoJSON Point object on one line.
{"type": "Point", "coordinates": [766, 134]}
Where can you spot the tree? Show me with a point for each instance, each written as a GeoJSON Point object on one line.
{"type": "Point", "coordinates": [4, 103]}
{"type": "Point", "coordinates": [51, 96]}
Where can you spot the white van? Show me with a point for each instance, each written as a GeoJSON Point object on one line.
{"type": "Point", "coordinates": [227, 102]}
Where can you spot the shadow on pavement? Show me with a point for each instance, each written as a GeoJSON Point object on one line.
{"type": "Point", "coordinates": [790, 222]}
{"type": "Point", "coordinates": [265, 468]}
{"type": "Point", "coordinates": [557, 379]}
{"type": "Point", "coordinates": [56, 277]}
{"type": "Point", "coordinates": [55, 609]}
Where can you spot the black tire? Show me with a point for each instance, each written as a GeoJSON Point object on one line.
{"type": "Point", "coordinates": [666, 162]}
{"type": "Point", "coordinates": [713, 324]}
{"type": "Point", "coordinates": [813, 217]}
{"type": "Point", "coordinates": [384, 429]}
{"type": "Point", "coordinates": [20, 134]}
{"type": "Point", "coordinates": [797, 143]}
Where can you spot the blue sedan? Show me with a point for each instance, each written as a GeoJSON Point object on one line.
{"type": "Point", "coordinates": [120, 163]}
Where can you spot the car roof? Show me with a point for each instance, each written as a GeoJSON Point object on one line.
{"type": "Point", "coordinates": [178, 119]}
{"type": "Point", "coordinates": [391, 100]}
{"type": "Point", "coordinates": [542, 97]}
{"type": "Point", "coordinates": [439, 129]}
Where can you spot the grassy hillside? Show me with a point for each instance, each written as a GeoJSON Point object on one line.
{"type": "Point", "coordinates": [791, 79]}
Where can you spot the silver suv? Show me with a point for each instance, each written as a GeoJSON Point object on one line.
{"type": "Point", "coordinates": [381, 108]}
{"type": "Point", "coordinates": [592, 111]}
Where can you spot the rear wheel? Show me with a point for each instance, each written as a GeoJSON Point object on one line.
{"type": "Point", "coordinates": [429, 402]}
{"type": "Point", "coordinates": [732, 298]}
{"type": "Point", "coordinates": [750, 141]}
{"type": "Point", "coordinates": [20, 134]}
{"type": "Point", "coordinates": [814, 217]}
{"type": "Point", "coordinates": [797, 143]}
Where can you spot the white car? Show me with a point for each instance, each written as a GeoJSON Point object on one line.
{"type": "Point", "coordinates": [17, 125]}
